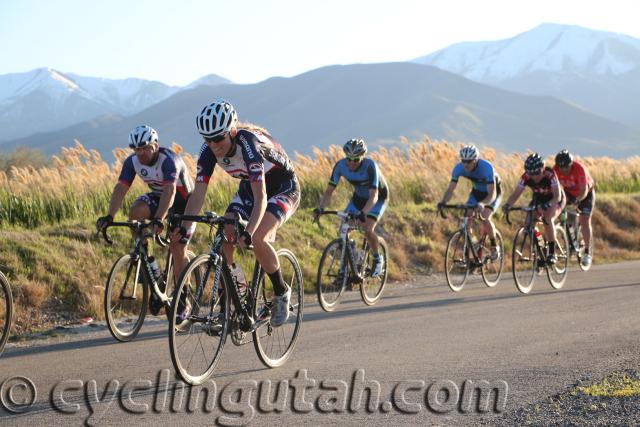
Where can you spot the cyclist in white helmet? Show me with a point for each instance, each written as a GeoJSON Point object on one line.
{"type": "Point", "coordinates": [268, 194]}
{"type": "Point", "coordinates": [167, 176]}
{"type": "Point", "coordinates": [485, 193]}
{"type": "Point", "coordinates": [370, 197]}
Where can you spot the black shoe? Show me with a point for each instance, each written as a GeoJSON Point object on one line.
{"type": "Point", "coordinates": [155, 305]}
{"type": "Point", "coordinates": [552, 259]}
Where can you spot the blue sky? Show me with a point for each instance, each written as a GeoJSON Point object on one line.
{"type": "Point", "coordinates": [247, 41]}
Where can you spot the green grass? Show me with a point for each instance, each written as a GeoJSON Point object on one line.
{"type": "Point", "coordinates": [616, 385]}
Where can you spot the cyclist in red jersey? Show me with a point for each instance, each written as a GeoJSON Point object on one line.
{"type": "Point", "coordinates": [548, 197]}
{"type": "Point", "coordinates": [579, 188]}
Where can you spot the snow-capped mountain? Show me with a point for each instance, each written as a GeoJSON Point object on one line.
{"type": "Point", "coordinates": [46, 99]}
{"type": "Point", "coordinates": [596, 69]}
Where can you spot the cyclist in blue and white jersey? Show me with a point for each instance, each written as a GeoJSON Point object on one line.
{"type": "Point", "coordinates": [268, 194]}
{"type": "Point", "coordinates": [167, 176]}
{"type": "Point", "coordinates": [485, 193]}
{"type": "Point", "coordinates": [370, 196]}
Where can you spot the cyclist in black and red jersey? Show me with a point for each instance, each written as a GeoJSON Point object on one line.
{"type": "Point", "coordinates": [166, 174]}
{"type": "Point", "coordinates": [268, 194]}
{"type": "Point", "coordinates": [548, 197]}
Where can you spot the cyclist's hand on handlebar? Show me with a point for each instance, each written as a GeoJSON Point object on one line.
{"type": "Point", "coordinates": [440, 205]}
{"type": "Point", "coordinates": [180, 235]}
{"type": "Point", "coordinates": [157, 225]}
{"type": "Point", "coordinates": [505, 208]}
{"type": "Point", "coordinates": [244, 240]}
{"type": "Point", "coordinates": [103, 221]}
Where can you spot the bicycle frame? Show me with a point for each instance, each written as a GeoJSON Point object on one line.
{"type": "Point", "coordinates": [140, 257]}
{"type": "Point", "coordinates": [219, 268]}
{"type": "Point", "coordinates": [465, 223]}
{"type": "Point", "coordinates": [345, 229]}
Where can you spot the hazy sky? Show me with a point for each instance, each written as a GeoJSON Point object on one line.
{"type": "Point", "coordinates": [247, 41]}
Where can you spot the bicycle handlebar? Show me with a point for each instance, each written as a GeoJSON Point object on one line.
{"type": "Point", "coordinates": [464, 207]}
{"type": "Point", "coordinates": [138, 226]}
{"type": "Point", "coordinates": [212, 219]}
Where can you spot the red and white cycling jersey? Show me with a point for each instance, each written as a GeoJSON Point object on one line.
{"type": "Point", "coordinates": [578, 176]}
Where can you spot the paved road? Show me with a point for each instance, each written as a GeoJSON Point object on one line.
{"type": "Point", "coordinates": [420, 337]}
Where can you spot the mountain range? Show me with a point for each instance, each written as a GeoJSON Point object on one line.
{"type": "Point", "coordinates": [597, 70]}
{"type": "Point", "coordinates": [45, 99]}
{"type": "Point", "coordinates": [554, 86]}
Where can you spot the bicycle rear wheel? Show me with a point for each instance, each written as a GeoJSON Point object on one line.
{"type": "Point", "coordinates": [557, 273]}
{"type": "Point", "coordinates": [492, 270]}
{"type": "Point", "coordinates": [456, 262]}
{"type": "Point", "coordinates": [197, 337]}
{"type": "Point", "coordinates": [275, 345]}
{"type": "Point", "coordinates": [125, 298]}
{"type": "Point", "coordinates": [524, 260]}
{"type": "Point", "coordinates": [371, 287]}
{"type": "Point", "coordinates": [6, 310]}
{"type": "Point", "coordinates": [332, 275]}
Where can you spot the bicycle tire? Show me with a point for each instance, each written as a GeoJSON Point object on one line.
{"type": "Point", "coordinates": [134, 304]}
{"type": "Point", "coordinates": [524, 260]}
{"type": "Point", "coordinates": [371, 287]}
{"type": "Point", "coordinates": [557, 273]}
{"type": "Point", "coordinates": [452, 262]}
{"type": "Point", "coordinates": [490, 277]}
{"type": "Point", "coordinates": [193, 360]}
{"type": "Point", "coordinates": [275, 345]}
{"type": "Point", "coordinates": [580, 250]}
{"type": "Point", "coordinates": [329, 292]}
{"type": "Point", "coordinates": [6, 310]}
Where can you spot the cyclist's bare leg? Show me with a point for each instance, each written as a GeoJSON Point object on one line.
{"type": "Point", "coordinates": [139, 211]}
{"type": "Point", "coordinates": [179, 255]}
{"type": "Point", "coordinates": [228, 248]}
{"type": "Point", "coordinates": [586, 229]}
{"type": "Point", "coordinates": [265, 254]}
{"type": "Point", "coordinates": [549, 227]}
{"type": "Point", "coordinates": [488, 228]}
{"type": "Point", "coordinates": [372, 237]}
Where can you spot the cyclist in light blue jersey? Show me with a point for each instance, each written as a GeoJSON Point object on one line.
{"type": "Point", "coordinates": [485, 193]}
{"type": "Point", "coordinates": [370, 197]}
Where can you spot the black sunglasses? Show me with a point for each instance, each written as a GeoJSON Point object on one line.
{"type": "Point", "coordinates": [215, 139]}
{"type": "Point", "coordinates": [467, 162]}
{"type": "Point", "coordinates": [354, 159]}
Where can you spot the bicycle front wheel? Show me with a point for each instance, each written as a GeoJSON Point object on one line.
{"type": "Point", "coordinates": [557, 273]}
{"type": "Point", "coordinates": [199, 320]}
{"type": "Point", "coordinates": [275, 345]}
{"type": "Point", "coordinates": [125, 298]}
{"type": "Point", "coordinates": [524, 260]}
{"type": "Point", "coordinates": [371, 287]}
{"type": "Point", "coordinates": [6, 310]}
{"type": "Point", "coordinates": [492, 269]}
{"type": "Point", "coordinates": [456, 262]}
{"type": "Point", "coordinates": [333, 272]}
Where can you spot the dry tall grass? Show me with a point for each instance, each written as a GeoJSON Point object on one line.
{"type": "Point", "coordinates": [78, 183]}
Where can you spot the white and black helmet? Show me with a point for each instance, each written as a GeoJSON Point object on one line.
{"type": "Point", "coordinates": [216, 119]}
{"type": "Point", "coordinates": [141, 136]}
{"type": "Point", "coordinates": [469, 152]}
{"type": "Point", "coordinates": [354, 148]}
{"type": "Point", "coordinates": [533, 163]}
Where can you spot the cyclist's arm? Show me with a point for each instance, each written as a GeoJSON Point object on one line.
{"type": "Point", "coordinates": [166, 200]}
{"type": "Point", "coordinates": [582, 192]}
{"type": "Point", "coordinates": [373, 198]}
{"type": "Point", "coordinates": [491, 190]}
{"type": "Point", "coordinates": [515, 195]}
{"type": "Point", "coordinates": [555, 200]}
{"type": "Point", "coordinates": [119, 191]}
{"type": "Point", "coordinates": [196, 201]}
{"type": "Point", "coordinates": [259, 190]}
{"type": "Point", "coordinates": [326, 197]}
{"type": "Point", "coordinates": [449, 192]}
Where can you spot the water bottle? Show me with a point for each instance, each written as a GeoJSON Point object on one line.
{"type": "Point", "coordinates": [538, 235]}
{"type": "Point", "coordinates": [238, 277]}
{"type": "Point", "coordinates": [155, 268]}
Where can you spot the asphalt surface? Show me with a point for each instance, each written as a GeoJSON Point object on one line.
{"type": "Point", "coordinates": [420, 338]}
